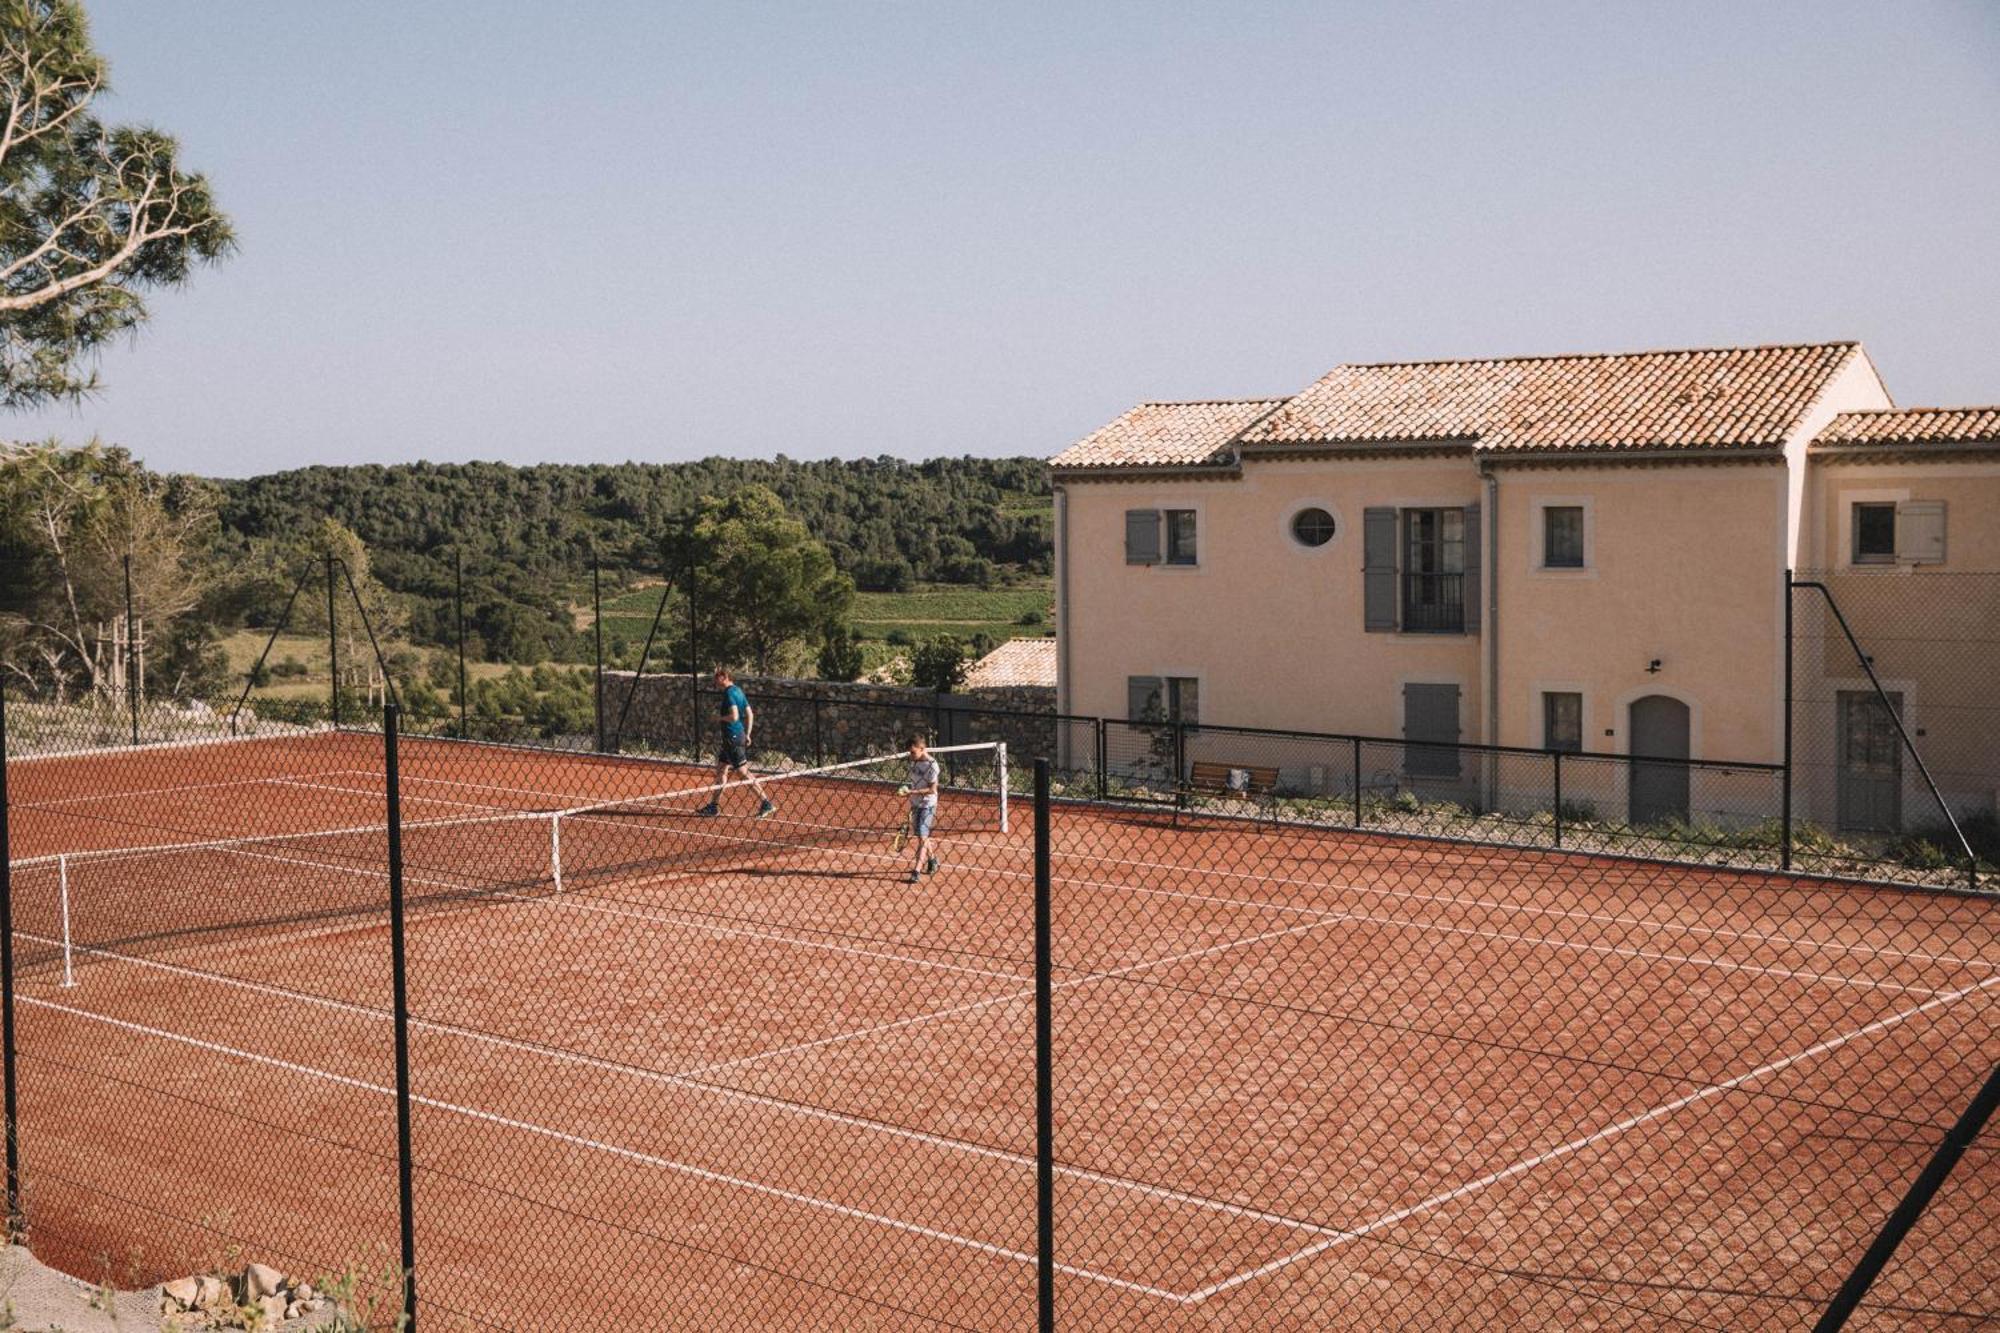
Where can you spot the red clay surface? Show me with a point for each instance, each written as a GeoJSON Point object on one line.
{"type": "Point", "coordinates": [742, 1075]}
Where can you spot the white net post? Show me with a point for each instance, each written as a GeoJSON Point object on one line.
{"type": "Point", "coordinates": [1000, 767]}
{"type": "Point", "coordinates": [555, 851]}
{"type": "Point", "coordinates": [62, 896]}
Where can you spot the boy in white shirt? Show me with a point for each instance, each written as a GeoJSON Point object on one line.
{"type": "Point", "coordinates": [922, 789]}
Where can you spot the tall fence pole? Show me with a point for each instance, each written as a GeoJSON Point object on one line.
{"type": "Point", "coordinates": [597, 628]}
{"type": "Point", "coordinates": [332, 645]}
{"type": "Point", "coordinates": [1103, 743]}
{"type": "Point", "coordinates": [401, 1001]}
{"type": "Point", "coordinates": [458, 609]}
{"type": "Point", "coordinates": [1356, 742]}
{"type": "Point", "coordinates": [1045, 1100]}
{"type": "Point", "coordinates": [694, 661]}
{"type": "Point", "coordinates": [1785, 799]}
{"type": "Point", "coordinates": [7, 1054]}
{"type": "Point", "coordinates": [131, 652]}
{"type": "Point", "coordinates": [1556, 791]}
{"type": "Point", "coordinates": [1956, 1140]}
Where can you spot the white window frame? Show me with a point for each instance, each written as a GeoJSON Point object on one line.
{"type": "Point", "coordinates": [1848, 497]}
{"type": "Point", "coordinates": [1538, 530]}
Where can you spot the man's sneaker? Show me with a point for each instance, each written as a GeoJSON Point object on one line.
{"type": "Point", "coordinates": [914, 877]}
{"type": "Point", "coordinates": [709, 811]}
{"type": "Point", "coordinates": [930, 866]}
{"type": "Point", "coordinates": [766, 810]}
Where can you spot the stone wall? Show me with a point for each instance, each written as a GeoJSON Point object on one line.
{"type": "Point", "coordinates": [823, 721]}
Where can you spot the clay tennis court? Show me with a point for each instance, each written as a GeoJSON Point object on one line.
{"type": "Point", "coordinates": [739, 1075]}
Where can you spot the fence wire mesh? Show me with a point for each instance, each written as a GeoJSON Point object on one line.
{"type": "Point", "coordinates": [680, 1069]}
{"type": "Point", "coordinates": [1863, 802]}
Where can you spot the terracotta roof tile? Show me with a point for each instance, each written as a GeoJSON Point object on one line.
{"type": "Point", "coordinates": [1914, 425]}
{"type": "Point", "coordinates": [1714, 398]}
{"type": "Point", "coordinates": [1015, 662]}
{"type": "Point", "coordinates": [1198, 434]}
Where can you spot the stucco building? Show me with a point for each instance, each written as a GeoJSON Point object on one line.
{"type": "Point", "coordinates": [1585, 553]}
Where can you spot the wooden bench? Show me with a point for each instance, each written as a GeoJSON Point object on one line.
{"type": "Point", "coordinates": [1214, 779]}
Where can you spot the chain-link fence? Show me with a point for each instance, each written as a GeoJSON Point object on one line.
{"type": "Point", "coordinates": [560, 1040]}
{"type": "Point", "coordinates": [1895, 720]}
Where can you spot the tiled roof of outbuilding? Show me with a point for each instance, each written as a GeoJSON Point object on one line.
{"type": "Point", "coordinates": [1912, 426]}
{"type": "Point", "coordinates": [1198, 434]}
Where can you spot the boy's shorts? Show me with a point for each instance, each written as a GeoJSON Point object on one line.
{"type": "Point", "coordinates": [733, 753]}
{"type": "Point", "coordinates": [921, 819]}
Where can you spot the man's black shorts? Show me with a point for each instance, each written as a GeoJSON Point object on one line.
{"type": "Point", "coordinates": [733, 753]}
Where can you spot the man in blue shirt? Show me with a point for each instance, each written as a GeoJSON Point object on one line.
{"type": "Point", "coordinates": [733, 755]}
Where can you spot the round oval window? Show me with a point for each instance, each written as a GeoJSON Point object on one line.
{"type": "Point", "coordinates": [1312, 527]}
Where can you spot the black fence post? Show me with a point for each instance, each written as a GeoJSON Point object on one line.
{"type": "Point", "coordinates": [1045, 1101]}
{"type": "Point", "coordinates": [332, 645]}
{"type": "Point", "coordinates": [694, 657]}
{"type": "Point", "coordinates": [1180, 763]}
{"type": "Point", "coordinates": [1956, 1140]}
{"type": "Point", "coordinates": [458, 605]}
{"type": "Point", "coordinates": [1358, 815]}
{"type": "Point", "coordinates": [1103, 760]}
{"type": "Point", "coordinates": [597, 627]}
{"type": "Point", "coordinates": [819, 740]}
{"type": "Point", "coordinates": [1785, 797]}
{"type": "Point", "coordinates": [131, 652]}
{"type": "Point", "coordinates": [401, 1002]}
{"type": "Point", "coordinates": [1557, 787]}
{"type": "Point", "coordinates": [10, 1110]}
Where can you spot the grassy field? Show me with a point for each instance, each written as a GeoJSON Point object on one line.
{"type": "Point", "coordinates": [940, 608]}
{"type": "Point", "coordinates": [308, 650]}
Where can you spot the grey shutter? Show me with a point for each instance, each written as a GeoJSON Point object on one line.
{"type": "Point", "coordinates": [1142, 536]}
{"type": "Point", "coordinates": [1145, 699]}
{"type": "Point", "coordinates": [1378, 569]}
{"type": "Point", "coordinates": [1472, 554]}
{"type": "Point", "coordinates": [1430, 722]}
{"type": "Point", "coordinates": [1920, 531]}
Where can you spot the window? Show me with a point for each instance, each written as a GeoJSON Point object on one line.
{"type": "Point", "coordinates": [1180, 537]}
{"type": "Point", "coordinates": [1874, 533]}
{"type": "Point", "coordinates": [1312, 527]}
{"type": "Point", "coordinates": [1562, 722]}
{"type": "Point", "coordinates": [1434, 571]}
{"type": "Point", "coordinates": [1562, 537]}
{"type": "Point", "coordinates": [1163, 699]}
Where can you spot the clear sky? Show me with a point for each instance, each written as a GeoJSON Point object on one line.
{"type": "Point", "coordinates": [615, 229]}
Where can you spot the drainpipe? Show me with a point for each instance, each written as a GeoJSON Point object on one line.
{"type": "Point", "coordinates": [1490, 628]}
{"type": "Point", "coordinates": [1062, 603]}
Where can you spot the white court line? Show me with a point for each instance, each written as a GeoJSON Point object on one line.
{"type": "Point", "coordinates": [1010, 998]}
{"type": "Point", "coordinates": [381, 794]}
{"type": "Point", "coordinates": [568, 904]}
{"type": "Point", "coordinates": [275, 779]}
{"type": "Point", "coordinates": [1805, 944]}
{"type": "Point", "coordinates": [1577, 1145]}
{"type": "Point", "coordinates": [614, 1150]}
{"type": "Point", "coordinates": [1320, 914]}
{"type": "Point", "coordinates": [719, 1090]}
{"type": "Point", "coordinates": [184, 743]}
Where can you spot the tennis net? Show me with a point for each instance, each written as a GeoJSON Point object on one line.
{"type": "Point", "coordinates": [72, 905]}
